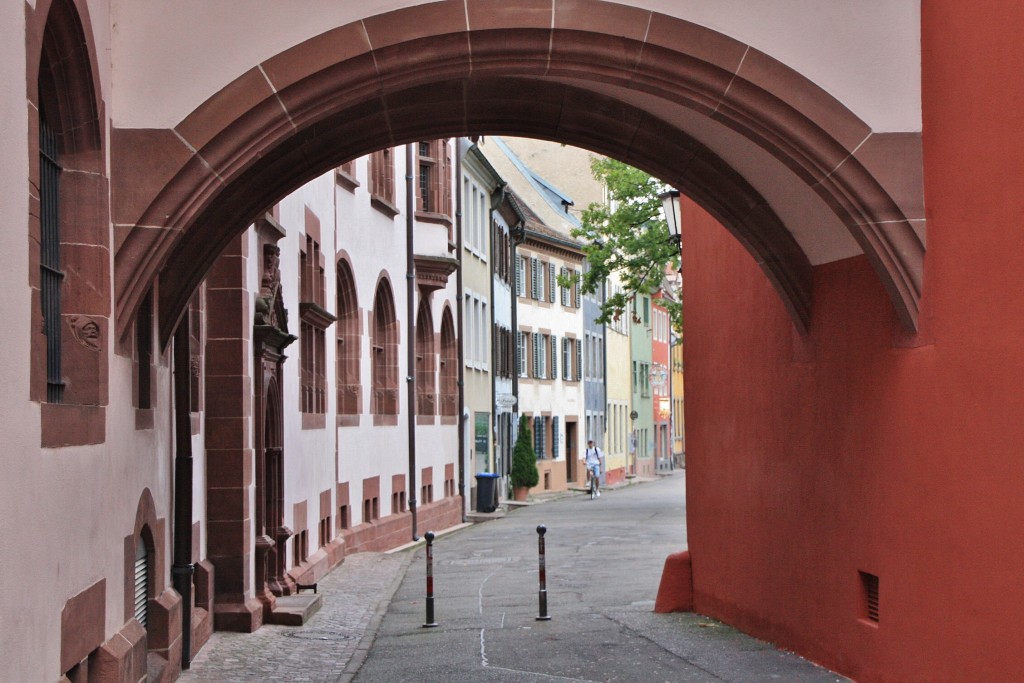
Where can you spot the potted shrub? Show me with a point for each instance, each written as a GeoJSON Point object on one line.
{"type": "Point", "coordinates": [524, 475]}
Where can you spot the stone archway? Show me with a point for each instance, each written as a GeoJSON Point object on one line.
{"type": "Point", "coordinates": [652, 90]}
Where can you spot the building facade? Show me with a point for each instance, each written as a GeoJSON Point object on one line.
{"type": "Point", "coordinates": [479, 184]}
{"type": "Point", "coordinates": [661, 382]}
{"type": "Point", "coordinates": [642, 401]}
{"type": "Point", "coordinates": [618, 385]}
{"type": "Point", "coordinates": [550, 351]}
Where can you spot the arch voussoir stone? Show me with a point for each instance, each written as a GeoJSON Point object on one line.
{"type": "Point", "coordinates": [595, 74]}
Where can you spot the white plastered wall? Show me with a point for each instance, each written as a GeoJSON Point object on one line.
{"type": "Point", "coordinates": [173, 56]}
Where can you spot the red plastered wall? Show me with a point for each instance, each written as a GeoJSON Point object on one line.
{"type": "Point", "coordinates": [857, 449]}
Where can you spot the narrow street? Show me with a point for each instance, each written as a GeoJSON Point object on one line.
{"type": "Point", "coordinates": [603, 567]}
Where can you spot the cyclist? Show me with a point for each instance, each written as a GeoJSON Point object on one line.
{"type": "Point", "coordinates": [592, 458]}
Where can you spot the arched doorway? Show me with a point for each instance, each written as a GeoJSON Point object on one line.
{"type": "Point", "coordinates": [270, 338]}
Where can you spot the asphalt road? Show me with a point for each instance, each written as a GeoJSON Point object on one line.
{"type": "Point", "coordinates": [604, 561]}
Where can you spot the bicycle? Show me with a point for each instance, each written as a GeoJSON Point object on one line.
{"type": "Point", "coordinates": [593, 483]}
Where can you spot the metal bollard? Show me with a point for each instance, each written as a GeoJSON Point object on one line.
{"type": "Point", "coordinates": [430, 623]}
{"type": "Point", "coordinates": [543, 616]}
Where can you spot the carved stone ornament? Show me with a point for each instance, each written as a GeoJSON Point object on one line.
{"type": "Point", "coordinates": [269, 307]}
{"type": "Point", "coordinates": [86, 331]}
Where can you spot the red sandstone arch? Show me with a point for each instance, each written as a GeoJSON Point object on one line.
{"type": "Point", "coordinates": [594, 74]}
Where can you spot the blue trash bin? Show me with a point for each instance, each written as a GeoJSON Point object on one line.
{"type": "Point", "coordinates": [486, 492]}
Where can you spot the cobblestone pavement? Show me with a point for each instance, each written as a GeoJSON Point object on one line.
{"type": "Point", "coordinates": [329, 647]}
{"type": "Point", "coordinates": [603, 566]}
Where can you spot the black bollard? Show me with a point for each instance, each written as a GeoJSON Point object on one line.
{"type": "Point", "coordinates": [543, 616]}
{"type": "Point", "coordinates": [430, 623]}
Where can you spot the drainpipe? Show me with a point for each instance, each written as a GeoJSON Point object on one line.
{"type": "Point", "coordinates": [410, 294]}
{"type": "Point", "coordinates": [182, 568]}
{"type": "Point", "coordinates": [497, 196]}
{"type": "Point", "coordinates": [460, 337]}
{"type": "Point", "coordinates": [604, 371]}
{"type": "Point", "coordinates": [518, 234]}
{"type": "Point", "coordinates": [494, 356]}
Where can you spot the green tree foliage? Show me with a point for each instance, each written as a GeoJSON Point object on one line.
{"type": "Point", "coordinates": [524, 459]}
{"type": "Point", "coordinates": [627, 236]}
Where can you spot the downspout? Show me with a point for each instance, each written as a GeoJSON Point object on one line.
{"type": "Point", "coordinates": [494, 355]}
{"type": "Point", "coordinates": [604, 370]}
{"type": "Point", "coordinates": [182, 568]}
{"type": "Point", "coordinates": [518, 233]}
{"type": "Point", "coordinates": [497, 196]}
{"type": "Point", "coordinates": [460, 337]}
{"type": "Point", "coordinates": [410, 344]}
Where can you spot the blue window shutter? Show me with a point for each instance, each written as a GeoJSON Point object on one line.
{"type": "Point", "coordinates": [554, 356]}
{"type": "Point", "coordinates": [534, 271]}
{"type": "Point", "coordinates": [579, 359]}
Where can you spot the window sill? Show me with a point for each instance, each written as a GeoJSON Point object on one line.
{"type": "Point", "coordinates": [431, 217]}
{"type": "Point", "coordinates": [316, 315]}
{"type": "Point", "coordinates": [347, 181]}
{"type": "Point", "coordinates": [314, 421]}
{"type": "Point", "coordinates": [384, 206]}
{"type": "Point", "coordinates": [348, 420]}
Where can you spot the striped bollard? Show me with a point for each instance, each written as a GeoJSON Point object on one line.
{"type": "Point", "coordinates": [543, 616]}
{"type": "Point", "coordinates": [430, 623]}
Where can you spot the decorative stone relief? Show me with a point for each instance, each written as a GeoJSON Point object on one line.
{"type": "Point", "coordinates": [86, 331]}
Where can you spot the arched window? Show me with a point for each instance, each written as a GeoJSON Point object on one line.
{"type": "Point", "coordinates": [69, 235]}
{"type": "Point", "coordinates": [426, 386]}
{"type": "Point", "coordinates": [348, 340]}
{"type": "Point", "coordinates": [449, 393]}
{"type": "Point", "coordinates": [384, 352]}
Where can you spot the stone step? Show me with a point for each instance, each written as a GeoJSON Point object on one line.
{"type": "Point", "coordinates": [295, 610]}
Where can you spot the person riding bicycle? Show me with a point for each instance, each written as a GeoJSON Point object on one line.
{"type": "Point", "coordinates": [592, 458]}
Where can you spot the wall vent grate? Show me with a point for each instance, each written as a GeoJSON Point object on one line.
{"type": "Point", "coordinates": [869, 585]}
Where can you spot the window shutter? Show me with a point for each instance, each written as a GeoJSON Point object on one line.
{"type": "Point", "coordinates": [538, 437]}
{"type": "Point", "coordinates": [534, 270]}
{"type": "Point", "coordinates": [536, 355]}
{"type": "Point", "coordinates": [554, 437]}
{"type": "Point", "coordinates": [565, 290]}
{"type": "Point", "coordinates": [551, 282]}
{"type": "Point", "coordinates": [519, 353]}
{"type": "Point", "coordinates": [520, 274]}
{"type": "Point", "coordinates": [576, 290]}
{"type": "Point", "coordinates": [579, 360]}
{"type": "Point", "coordinates": [554, 356]}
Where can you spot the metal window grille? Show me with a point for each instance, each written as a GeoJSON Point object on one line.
{"type": "Point", "coordinates": [141, 581]}
{"type": "Point", "coordinates": [51, 275]}
{"type": "Point", "coordinates": [869, 583]}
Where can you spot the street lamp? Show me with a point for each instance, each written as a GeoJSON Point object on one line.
{"type": "Point", "coordinates": [670, 205]}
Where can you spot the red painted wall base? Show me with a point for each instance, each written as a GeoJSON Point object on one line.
{"type": "Point", "coordinates": [675, 593]}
